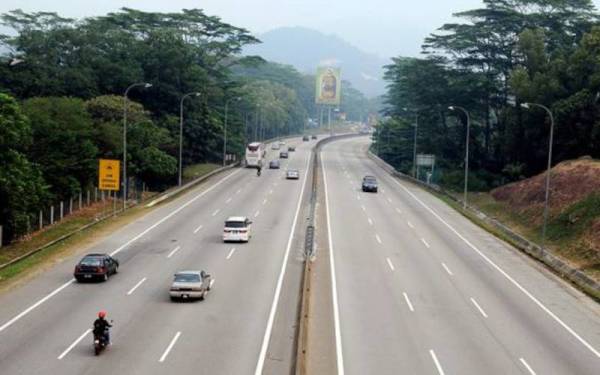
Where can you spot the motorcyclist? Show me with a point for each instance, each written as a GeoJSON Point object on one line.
{"type": "Point", "coordinates": [258, 170]}
{"type": "Point", "coordinates": [101, 327]}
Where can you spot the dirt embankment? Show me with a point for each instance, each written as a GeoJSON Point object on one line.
{"type": "Point", "coordinates": [574, 220]}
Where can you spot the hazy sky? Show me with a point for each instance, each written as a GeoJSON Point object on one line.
{"type": "Point", "coordinates": [384, 27]}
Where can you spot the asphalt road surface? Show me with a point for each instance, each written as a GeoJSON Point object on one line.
{"type": "Point", "coordinates": [421, 290]}
{"type": "Point", "coordinates": [45, 325]}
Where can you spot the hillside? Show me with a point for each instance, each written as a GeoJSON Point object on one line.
{"type": "Point", "coordinates": [281, 45]}
{"type": "Point", "coordinates": [574, 221]}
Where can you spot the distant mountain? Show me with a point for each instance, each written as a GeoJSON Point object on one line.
{"type": "Point", "coordinates": [305, 49]}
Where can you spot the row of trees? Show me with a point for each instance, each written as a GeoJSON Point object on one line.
{"type": "Point", "coordinates": [539, 51]}
{"type": "Point", "coordinates": [61, 100]}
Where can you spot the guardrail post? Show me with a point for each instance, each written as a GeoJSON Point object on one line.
{"type": "Point", "coordinates": [41, 219]}
{"type": "Point", "coordinates": [61, 210]}
{"type": "Point", "coordinates": [102, 195]}
{"type": "Point", "coordinates": [70, 205]}
{"type": "Point", "coordinates": [79, 208]}
{"type": "Point", "coordinates": [0, 235]}
{"type": "Point", "coordinates": [88, 198]}
{"type": "Point", "coordinates": [95, 194]}
{"type": "Point", "coordinates": [51, 214]}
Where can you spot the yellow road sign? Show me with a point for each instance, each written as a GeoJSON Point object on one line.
{"type": "Point", "coordinates": [108, 174]}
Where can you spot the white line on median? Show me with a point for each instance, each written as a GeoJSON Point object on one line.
{"type": "Point", "coordinates": [257, 213]}
{"type": "Point", "coordinates": [410, 224]}
{"type": "Point", "coordinates": [447, 269]}
{"type": "Point", "coordinates": [271, 191]}
{"type": "Point", "coordinates": [197, 229]}
{"type": "Point", "coordinates": [389, 200]}
{"type": "Point", "coordinates": [410, 306]}
{"type": "Point", "coordinates": [228, 200]}
{"type": "Point", "coordinates": [363, 208]}
{"type": "Point", "coordinates": [425, 243]}
{"type": "Point", "coordinates": [370, 221]}
{"type": "Point", "coordinates": [398, 210]}
{"type": "Point", "coordinates": [378, 238]}
{"type": "Point", "coordinates": [358, 196]}
{"type": "Point", "coordinates": [166, 353]}
{"type": "Point", "coordinates": [265, 201]}
{"type": "Point", "coordinates": [389, 262]}
{"type": "Point", "coordinates": [239, 191]}
{"type": "Point", "coordinates": [334, 295]}
{"type": "Point", "coordinates": [504, 273]}
{"type": "Point", "coordinates": [527, 366]}
{"type": "Point", "coordinates": [230, 253]}
{"type": "Point", "coordinates": [119, 249]}
{"type": "Point", "coordinates": [173, 251]}
{"type": "Point", "coordinates": [216, 212]}
{"type": "Point", "coordinates": [63, 354]}
{"type": "Point", "coordinates": [437, 363]}
{"type": "Point", "coordinates": [136, 286]}
{"type": "Point", "coordinates": [270, 320]}
{"type": "Point", "coordinates": [479, 307]}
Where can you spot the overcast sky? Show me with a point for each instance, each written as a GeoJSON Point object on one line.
{"type": "Point", "coordinates": [384, 27]}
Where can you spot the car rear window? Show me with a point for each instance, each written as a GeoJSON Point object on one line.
{"type": "Point", "coordinates": [187, 278]}
{"type": "Point", "coordinates": [235, 224]}
{"type": "Point", "coordinates": [370, 179]}
{"type": "Point", "coordinates": [91, 262]}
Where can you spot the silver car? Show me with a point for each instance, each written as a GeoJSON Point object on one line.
{"type": "Point", "coordinates": [292, 174]}
{"type": "Point", "coordinates": [190, 285]}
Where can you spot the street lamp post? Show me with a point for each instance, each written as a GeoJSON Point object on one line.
{"type": "Point", "coordinates": [125, 97]}
{"type": "Point", "coordinates": [452, 108]}
{"type": "Point", "coordinates": [225, 129]}
{"type": "Point", "coordinates": [415, 141]}
{"type": "Point", "coordinates": [551, 141]}
{"type": "Point", "coordinates": [179, 179]}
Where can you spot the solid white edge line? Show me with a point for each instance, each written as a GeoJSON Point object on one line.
{"type": "Point", "coordinates": [425, 243]}
{"type": "Point", "coordinates": [389, 262]}
{"type": "Point", "coordinates": [527, 366]}
{"type": "Point", "coordinates": [447, 269]}
{"type": "Point", "coordinates": [437, 363]}
{"type": "Point", "coordinates": [173, 251]}
{"type": "Point", "coordinates": [136, 286]}
{"type": "Point", "coordinates": [410, 306]}
{"type": "Point", "coordinates": [197, 229]}
{"type": "Point", "coordinates": [119, 249]}
{"type": "Point", "coordinates": [503, 273]}
{"type": "Point", "coordinates": [63, 354]}
{"type": "Point", "coordinates": [378, 238]}
{"type": "Point", "coordinates": [267, 336]}
{"type": "Point", "coordinates": [478, 307]}
{"type": "Point", "coordinates": [334, 295]}
{"type": "Point", "coordinates": [173, 341]}
{"type": "Point", "coordinates": [230, 253]}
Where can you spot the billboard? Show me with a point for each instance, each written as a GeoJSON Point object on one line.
{"type": "Point", "coordinates": [328, 86]}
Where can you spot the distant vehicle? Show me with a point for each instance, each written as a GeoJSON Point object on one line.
{"type": "Point", "coordinates": [190, 285]}
{"type": "Point", "coordinates": [314, 136]}
{"type": "Point", "coordinates": [291, 148]}
{"type": "Point", "coordinates": [369, 184]}
{"type": "Point", "coordinates": [305, 138]}
{"type": "Point", "coordinates": [292, 174]}
{"type": "Point", "coordinates": [255, 154]}
{"type": "Point", "coordinates": [275, 146]}
{"type": "Point", "coordinates": [237, 228]}
{"type": "Point", "coordinates": [282, 143]}
{"type": "Point", "coordinates": [283, 155]}
{"type": "Point", "coordinates": [96, 266]}
{"type": "Point", "coordinates": [274, 164]}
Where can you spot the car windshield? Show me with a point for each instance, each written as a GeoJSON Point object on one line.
{"type": "Point", "coordinates": [95, 261]}
{"type": "Point", "coordinates": [235, 224]}
{"type": "Point", "coordinates": [187, 278]}
{"type": "Point", "coordinates": [370, 180]}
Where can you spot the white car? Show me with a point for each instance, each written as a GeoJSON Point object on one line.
{"type": "Point", "coordinates": [275, 146]}
{"type": "Point", "coordinates": [292, 174]}
{"type": "Point", "coordinates": [237, 228]}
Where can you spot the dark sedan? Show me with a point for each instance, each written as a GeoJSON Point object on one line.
{"type": "Point", "coordinates": [291, 148]}
{"type": "Point", "coordinates": [274, 164]}
{"type": "Point", "coordinates": [96, 267]}
{"type": "Point", "coordinates": [369, 183]}
{"type": "Point", "coordinates": [283, 155]}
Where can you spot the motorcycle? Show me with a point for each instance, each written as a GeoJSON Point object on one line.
{"type": "Point", "coordinates": [100, 341]}
{"type": "Point", "coordinates": [258, 172]}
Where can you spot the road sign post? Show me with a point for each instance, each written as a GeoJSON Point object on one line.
{"type": "Point", "coordinates": [426, 160]}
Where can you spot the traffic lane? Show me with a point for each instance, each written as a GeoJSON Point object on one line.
{"type": "Point", "coordinates": [376, 329]}
{"type": "Point", "coordinates": [230, 320]}
{"type": "Point", "coordinates": [96, 309]}
{"type": "Point", "coordinates": [518, 319]}
{"type": "Point", "coordinates": [438, 316]}
{"type": "Point", "coordinates": [443, 316]}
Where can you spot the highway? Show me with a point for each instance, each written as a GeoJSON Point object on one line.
{"type": "Point", "coordinates": [421, 290]}
{"type": "Point", "coordinates": [45, 324]}
{"type": "Point", "coordinates": [416, 288]}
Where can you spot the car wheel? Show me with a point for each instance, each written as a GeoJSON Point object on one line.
{"type": "Point", "coordinates": [173, 299]}
{"type": "Point", "coordinates": [116, 269]}
{"type": "Point", "coordinates": [105, 277]}
{"type": "Point", "coordinates": [202, 296]}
